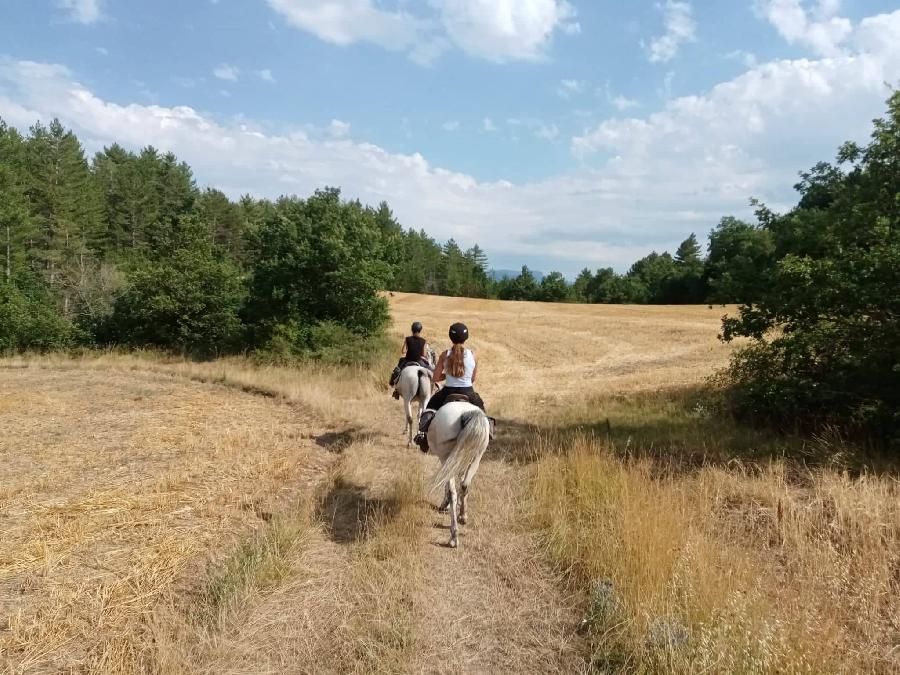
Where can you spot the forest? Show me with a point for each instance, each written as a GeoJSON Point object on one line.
{"type": "Point", "coordinates": [124, 249]}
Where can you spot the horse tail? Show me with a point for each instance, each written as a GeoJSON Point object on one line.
{"type": "Point", "coordinates": [424, 383]}
{"type": "Point", "coordinates": [472, 441]}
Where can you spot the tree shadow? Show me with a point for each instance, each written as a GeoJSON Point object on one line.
{"type": "Point", "coordinates": [350, 514]}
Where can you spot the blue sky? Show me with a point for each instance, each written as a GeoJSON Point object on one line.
{"type": "Point", "coordinates": [560, 134]}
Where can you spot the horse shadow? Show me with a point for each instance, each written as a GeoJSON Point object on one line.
{"type": "Point", "coordinates": [338, 441]}
{"type": "Point", "coordinates": [350, 514]}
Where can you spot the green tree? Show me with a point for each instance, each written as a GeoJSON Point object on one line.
{"type": "Point", "coordinates": [826, 324]}
{"type": "Point", "coordinates": [314, 261]}
{"type": "Point", "coordinates": [739, 263]}
{"type": "Point", "coordinates": [521, 287]}
{"type": "Point", "coordinates": [186, 296]}
{"type": "Point", "coordinates": [579, 289]}
{"type": "Point", "coordinates": [554, 288]}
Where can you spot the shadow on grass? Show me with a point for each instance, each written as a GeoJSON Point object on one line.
{"type": "Point", "coordinates": [681, 430]}
{"type": "Point", "coordinates": [350, 515]}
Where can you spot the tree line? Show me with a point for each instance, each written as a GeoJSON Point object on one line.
{"type": "Point", "coordinates": [124, 249]}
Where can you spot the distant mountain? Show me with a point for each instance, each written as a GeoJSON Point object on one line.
{"type": "Point", "coordinates": [500, 275]}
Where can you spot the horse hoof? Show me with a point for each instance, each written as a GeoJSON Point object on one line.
{"type": "Point", "coordinates": [453, 543]}
{"type": "Point", "coordinates": [463, 520]}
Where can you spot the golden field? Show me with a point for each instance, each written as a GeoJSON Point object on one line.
{"type": "Point", "coordinates": [165, 516]}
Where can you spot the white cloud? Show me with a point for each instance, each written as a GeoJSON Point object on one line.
{"type": "Point", "coordinates": [547, 132]}
{"type": "Point", "coordinates": [82, 11]}
{"type": "Point", "coordinates": [265, 75]}
{"type": "Point", "coordinates": [344, 22]}
{"type": "Point", "coordinates": [678, 19]}
{"type": "Point", "coordinates": [450, 125]}
{"type": "Point", "coordinates": [339, 129]}
{"type": "Point", "coordinates": [748, 59]}
{"type": "Point", "coordinates": [819, 29]}
{"type": "Point", "coordinates": [226, 72]}
{"type": "Point", "coordinates": [569, 88]}
{"type": "Point", "coordinates": [623, 103]}
{"type": "Point", "coordinates": [496, 30]}
{"type": "Point", "coordinates": [487, 125]}
{"type": "Point", "coordinates": [102, 51]}
{"type": "Point", "coordinates": [645, 182]}
{"type": "Point", "coordinates": [505, 30]}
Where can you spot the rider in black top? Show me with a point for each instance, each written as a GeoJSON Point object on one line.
{"type": "Point", "coordinates": [414, 352]}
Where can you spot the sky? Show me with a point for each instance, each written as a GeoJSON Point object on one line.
{"type": "Point", "coordinates": [561, 134]}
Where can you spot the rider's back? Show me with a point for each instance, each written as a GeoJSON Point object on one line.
{"type": "Point", "coordinates": [464, 380]}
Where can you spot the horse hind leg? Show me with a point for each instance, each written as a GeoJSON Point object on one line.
{"type": "Point", "coordinates": [454, 527]}
{"type": "Point", "coordinates": [445, 505]}
{"type": "Point", "coordinates": [408, 429]}
{"type": "Point", "coordinates": [464, 489]}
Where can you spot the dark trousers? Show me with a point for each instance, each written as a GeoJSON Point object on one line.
{"type": "Point", "coordinates": [440, 398]}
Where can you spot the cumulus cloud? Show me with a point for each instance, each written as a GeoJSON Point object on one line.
{"type": "Point", "coordinates": [569, 88]}
{"type": "Point", "coordinates": [265, 75]}
{"type": "Point", "coordinates": [450, 125]}
{"type": "Point", "coordinates": [487, 125]}
{"type": "Point", "coordinates": [680, 27]}
{"type": "Point", "coordinates": [547, 132]}
{"type": "Point", "coordinates": [623, 103]}
{"type": "Point", "coordinates": [339, 129]}
{"type": "Point", "coordinates": [81, 11]}
{"type": "Point", "coordinates": [226, 72]}
{"type": "Point", "coordinates": [819, 28]}
{"type": "Point", "coordinates": [343, 22]}
{"type": "Point", "coordinates": [644, 182]}
{"type": "Point", "coordinates": [505, 30]}
{"type": "Point", "coordinates": [496, 30]}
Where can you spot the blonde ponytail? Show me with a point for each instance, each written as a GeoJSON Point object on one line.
{"type": "Point", "coordinates": [456, 364]}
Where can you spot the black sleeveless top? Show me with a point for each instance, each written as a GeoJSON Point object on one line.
{"type": "Point", "coordinates": [415, 348]}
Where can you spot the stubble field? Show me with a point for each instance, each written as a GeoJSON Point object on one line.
{"type": "Point", "coordinates": [165, 516]}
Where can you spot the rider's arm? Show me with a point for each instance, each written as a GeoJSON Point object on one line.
{"type": "Point", "coordinates": [403, 348]}
{"type": "Point", "coordinates": [439, 368]}
{"type": "Point", "coordinates": [475, 369]}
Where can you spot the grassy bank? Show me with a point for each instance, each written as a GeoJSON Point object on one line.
{"type": "Point", "coordinates": [699, 545]}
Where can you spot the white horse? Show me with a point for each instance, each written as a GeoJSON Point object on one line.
{"type": "Point", "coordinates": [414, 385]}
{"type": "Point", "coordinates": [459, 434]}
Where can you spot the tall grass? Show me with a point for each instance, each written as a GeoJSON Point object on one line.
{"type": "Point", "coordinates": [739, 569]}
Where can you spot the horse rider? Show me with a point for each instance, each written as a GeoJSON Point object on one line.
{"type": "Point", "coordinates": [458, 368]}
{"type": "Point", "coordinates": [413, 352]}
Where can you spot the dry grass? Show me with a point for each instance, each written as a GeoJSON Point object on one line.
{"type": "Point", "coordinates": [753, 571]}
{"type": "Point", "coordinates": [154, 520]}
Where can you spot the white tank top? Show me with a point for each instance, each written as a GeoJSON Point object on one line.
{"type": "Point", "coordinates": [466, 379]}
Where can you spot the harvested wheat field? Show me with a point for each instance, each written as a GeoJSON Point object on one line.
{"type": "Point", "coordinates": [173, 517]}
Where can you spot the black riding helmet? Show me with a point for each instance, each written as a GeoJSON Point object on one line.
{"type": "Point", "coordinates": [459, 333]}
{"type": "Point", "coordinates": [417, 327]}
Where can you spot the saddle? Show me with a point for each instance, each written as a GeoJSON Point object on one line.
{"type": "Point", "coordinates": [457, 398]}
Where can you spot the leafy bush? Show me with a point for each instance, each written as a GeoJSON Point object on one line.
{"type": "Point", "coordinates": [327, 342]}
{"type": "Point", "coordinates": [188, 299]}
{"type": "Point", "coordinates": [30, 320]}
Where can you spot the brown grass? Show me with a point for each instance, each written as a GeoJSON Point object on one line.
{"type": "Point", "coordinates": [174, 517]}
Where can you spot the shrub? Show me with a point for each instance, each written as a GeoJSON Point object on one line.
{"type": "Point", "coordinates": [30, 320]}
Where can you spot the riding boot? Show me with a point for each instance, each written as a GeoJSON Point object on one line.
{"type": "Point", "coordinates": [394, 376]}
{"type": "Point", "coordinates": [421, 438]}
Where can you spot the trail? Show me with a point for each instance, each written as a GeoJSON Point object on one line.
{"type": "Point", "coordinates": [413, 605]}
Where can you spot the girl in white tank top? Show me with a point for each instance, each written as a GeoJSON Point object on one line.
{"type": "Point", "coordinates": [466, 379]}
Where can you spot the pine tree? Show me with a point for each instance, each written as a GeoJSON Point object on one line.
{"type": "Point", "coordinates": [688, 251]}
{"type": "Point", "coordinates": [16, 225]}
